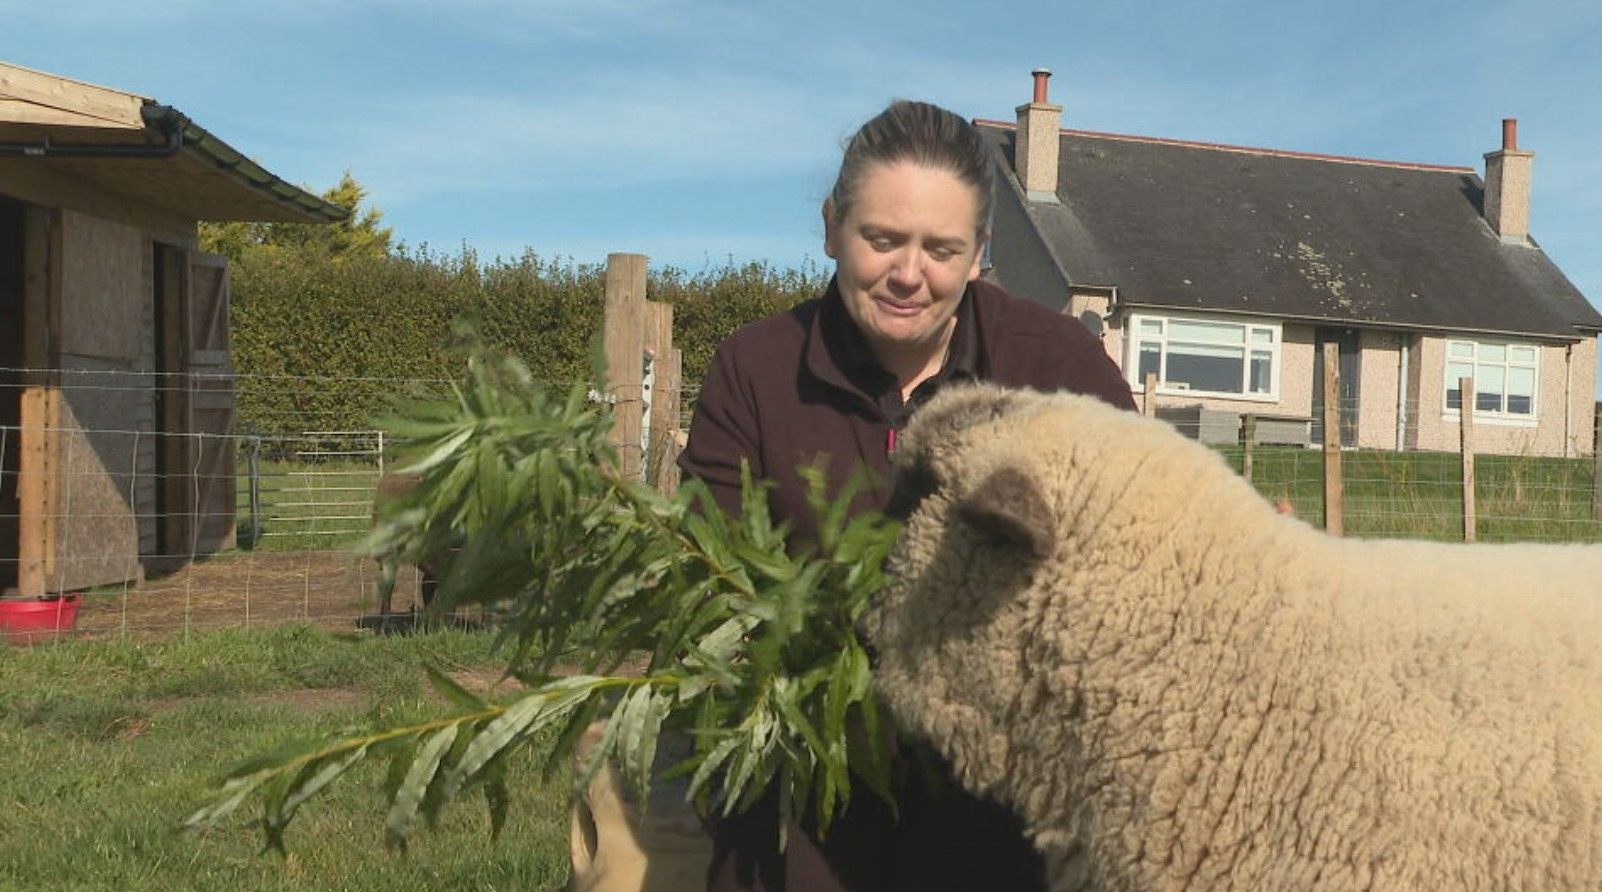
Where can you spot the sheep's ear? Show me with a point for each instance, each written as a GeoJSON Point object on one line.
{"type": "Point", "coordinates": [1009, 506]}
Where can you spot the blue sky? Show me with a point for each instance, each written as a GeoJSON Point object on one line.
{"type": "Point", "coordinates": [695, 132]}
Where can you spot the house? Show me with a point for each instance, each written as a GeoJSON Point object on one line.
{"type": "Point", "coordinates": [115, 386]}
{"type": "Point", "coordinates": [1225, 269]}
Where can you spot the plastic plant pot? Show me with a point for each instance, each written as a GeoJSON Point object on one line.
{"type": "Point", "coordinates": [31, 620]}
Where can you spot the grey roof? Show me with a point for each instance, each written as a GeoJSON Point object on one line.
{"type": "Point", "coordinates": [1225, 229]}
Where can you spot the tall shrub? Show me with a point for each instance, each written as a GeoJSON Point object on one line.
{"type": "Point", "coordinates": [323, 341]}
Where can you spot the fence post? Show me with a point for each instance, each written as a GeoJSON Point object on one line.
{"type": "Point", "coordinates": [253, 458]}
{"type": "Point", "coordinates": [1466, 445]}
{"type": "Point", "coordinates": [624, 339]}
{"type": "Point", "coordinates": [1248, 438]}
{"type": "Point", "coordinates": [1596, 465]}
{"type": "Point", "coordinates": [662, 415]}
{"type": "Point", "coordinates": [1148, 400]}
{"type": "Point", "coordinates": [1334, 508]}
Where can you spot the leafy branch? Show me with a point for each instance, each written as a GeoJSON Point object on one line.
{"type": "Point", "coordinates": [749, 647]}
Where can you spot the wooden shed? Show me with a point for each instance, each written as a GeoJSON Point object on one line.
{"type": "Point", "coordinates": [116, 390]}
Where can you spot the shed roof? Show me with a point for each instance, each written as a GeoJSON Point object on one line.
{"type": "Point", "coordinates": [1347, 241]}
{"type": "Point", "coordinates": [151, 153]}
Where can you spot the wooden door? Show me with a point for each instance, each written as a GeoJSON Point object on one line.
{"type": "Point", "coordinates": [210, 398]}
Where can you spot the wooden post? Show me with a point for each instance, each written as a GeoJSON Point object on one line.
{"type": "Point", "coordinates": [1334, 507]}
{"type": "Point", "coordinates": [1248, 438]}
{"type": "Point", "coordinates": [37, 464]}
{"type": "Point", "coordinates": [253, 457]}
{"type": "Point", "coordinates": [1148, 400]}
{"type": "Point", "coordinates": [624, 341]}
{"type": "Point", "coordinates": [669, 384]}
{"type": "Point", "coordinates": [35, 521]}
{"type": "Point", "coordinates": [1466, 414]}
{"type": "Point", "coordinates": [662, 450]}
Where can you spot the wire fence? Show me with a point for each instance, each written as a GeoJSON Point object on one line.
{"type": "Point", "coordinates": [225, 524]}
{"type": "Point", "coordinates": [158, 532]}
{"type": "Point", "coordinates": [1520, 479]}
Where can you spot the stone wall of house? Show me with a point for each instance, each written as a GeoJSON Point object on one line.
{"type": "Point", "coordinates": [1112, 334]}
{"type": "Point", "coordinates": [1380, 357]}
{"type": "Point", "coordinates": [1583, 398]}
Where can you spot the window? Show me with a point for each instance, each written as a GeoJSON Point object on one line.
{"type": "Point", "coordinates": [1206, 356]}
{"type": "Point", "coordinates": [1505, 377]}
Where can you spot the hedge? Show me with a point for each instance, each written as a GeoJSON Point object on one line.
{"type": "Point", "coordinates": [326, 343]}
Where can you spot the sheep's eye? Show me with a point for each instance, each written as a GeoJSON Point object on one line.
{"type": "Point", "coordinates": [908, 490]}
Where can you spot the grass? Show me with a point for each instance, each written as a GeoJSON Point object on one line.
{"type": "Point", "coordinates": [1418, 495]}
{"type": "Point", "coordinates": [110, 744]}
{"type": "Point", "coordinates": [306, 505]}
{"type": "Point", "coordinates": [1394, 494]}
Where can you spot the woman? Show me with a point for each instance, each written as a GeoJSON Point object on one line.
{"type": "Point", "coordinates": [835, 379]}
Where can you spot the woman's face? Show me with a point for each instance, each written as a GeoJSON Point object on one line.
{"type": "Point", "coordinates": [905, 252]}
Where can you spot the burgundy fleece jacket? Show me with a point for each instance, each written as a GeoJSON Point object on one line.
{"type": "Point", "coordinates": [802, 385]}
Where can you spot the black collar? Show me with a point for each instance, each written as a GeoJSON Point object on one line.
{"type": "Point", "coordinates": [839, 355]}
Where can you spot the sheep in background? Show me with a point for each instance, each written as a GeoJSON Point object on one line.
{"type": "Point", "coordinates": [1105, 628]}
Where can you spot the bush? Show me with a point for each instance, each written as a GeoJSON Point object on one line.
{"type": "Point", "coordinates": [326, 341]}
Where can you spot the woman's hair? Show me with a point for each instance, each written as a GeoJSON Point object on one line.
{"type": "Point", "coordinates": [924, 134]}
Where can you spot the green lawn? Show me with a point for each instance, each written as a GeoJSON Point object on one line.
{"type": "Point", "coordinates": [306, 505]}
{"type": "Point", "coordinates": [1418, 495]}
{"type": "Point", "coordinates": [110, 744]}
{"type": "Point", "coordinates": [1408, 495]}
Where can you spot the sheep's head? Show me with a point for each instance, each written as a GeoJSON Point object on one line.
{"type": "Point", "coordinates": [1026, 513]}
{"type": "Point", "coordinates": [980, 520]}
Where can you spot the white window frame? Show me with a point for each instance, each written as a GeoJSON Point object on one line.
{"type": "Point", "coordinates": [1133, 339]}
{"type": "Point", "coordinates": [1500, 416]}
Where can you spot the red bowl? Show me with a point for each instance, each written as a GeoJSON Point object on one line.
{"type": "Point", "coordinates": [25, 621]}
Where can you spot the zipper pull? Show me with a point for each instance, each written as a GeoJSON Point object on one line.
{"type": "Point", "coordinates": [890, 443]}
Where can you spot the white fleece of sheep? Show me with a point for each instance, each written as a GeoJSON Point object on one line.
{"type": "Point", "coordinates": [1193, 692]}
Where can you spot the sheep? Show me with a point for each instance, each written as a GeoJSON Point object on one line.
{"type": "Point", "coordinates": [1176, 687]}
{"type": "Point", "coordinates": [389, 492]}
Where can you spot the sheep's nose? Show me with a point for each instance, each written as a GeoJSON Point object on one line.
{"type": "Point", "coordinates": [868, 647]}
{"type": "Point", "coordinates": [907, 492]}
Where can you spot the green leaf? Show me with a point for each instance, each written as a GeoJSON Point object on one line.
{"type": "Point", "coordinates": [496, 797]}
{"type": "Point", "coordinates": [526, 715]}
{"type": "Point", "coordinates": [450, 690]}
{"type": "Point", "coordinates": [409, 796]}
{"type": "Point", "coordinates": [639, 721]}
{"type": "Point", "coordinates": [234, 792]}
{"type": "Point", "coordinates": [448, 447]}
{"type": "Point", "coordinates": [401, 755]}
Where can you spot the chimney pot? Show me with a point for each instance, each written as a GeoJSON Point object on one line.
{"type": "Point", "coordinates": [1041, 75]}
{"type": "Point", "coordinates": [1510, 134]}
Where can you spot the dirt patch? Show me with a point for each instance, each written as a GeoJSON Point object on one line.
{"type": "Point", "coordinates": [247, 589]}
{"type": "Point", "coordinates": [310, 700]}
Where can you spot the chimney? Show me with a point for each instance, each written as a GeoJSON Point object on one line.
{"type": "Point", "coordinates": [1035, 150]}
{"type": "Point", "coordinates": [1507, 186]}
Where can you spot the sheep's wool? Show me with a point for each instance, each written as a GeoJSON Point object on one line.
{"type": "Point", "coordinates": [1105, 628]}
